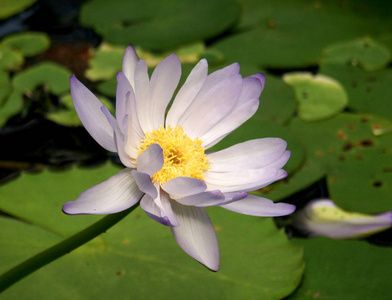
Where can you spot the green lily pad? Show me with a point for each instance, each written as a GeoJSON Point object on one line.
{"type": "Point", "coordinates": [159, 25]}
{"type": "Point", "coordinates": [368, 92]}
{"type": "Point", "coordinates": [10, 59]}
{"type": "Point", "coordinates": [357, 163]}
{"type": "Point", "coordinates": [53, 76]}
{"type": "Point", "coordinates": [11, 106]}
{"type": "Point", "coordinates": [106, 62]}
{"type": "Point", "coordinates": [28, 43]}
{"type": "Point", "coordinates": [365, 52]}
{"type": "Point", "coordinates": [319, 97]}
{"type": "Point", "coordinates": [9, 8]}
{"type": "Point", "coordinates": [290, 34]}
{"type": "Point", "coordinates": [5, 86]}
{"type": "Point", "coordinates": [138, 253]}
{"type": "Point", "coordinates": [67, 116]}
{"type": "Point", "coordinates": [344, 270]}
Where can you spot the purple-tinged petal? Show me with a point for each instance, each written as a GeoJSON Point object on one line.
{"type": "Point", "coordinates": [143, 96]}
{"type": "Point", "coordinates": [184, 186]}
{"type": "Point", "coordinates": [247, 105]}
{"type": "Point", "coordinates": [211, 106]}
{"type": "Point", "coordinates": [151, 160]}
{"type": "Point", "coordinates": [134, 131]}
{"type": "Point", "coordinates": [281, 161]}
{"type": "Point", "coordinates": [88, 108]}
{"type": "Point", "coordinates": [243, 180]}
{"type": "Point", "coordinates": [119, 140]}
{"type": "Point", "coordinates": [261, 77]}
{"type": "Point", "coordinates": [145, 184]}
{"type": "Point", "coordinates": [253, 154]}
{"type": "Point", "coordinates": [196, 235]}
{"type": "Point", "coordinates": [163, 83]}
{"type": "Point", "coordinates": [261, 207]}
{"type": "Point", "coordinates": [159, 209]}
{"type": "Point", "coordinates": [322, 217]}
{"type": "Point", "coordinates": [129, 62]}
{"type": "Point", "coordinates": [187, 93]}
{"type": "Point", "coordinates": [123, 88]}
{"type": "Point", "coordinates": [210, 198]}
{"type": "Point", "coordinates": [116, 194]}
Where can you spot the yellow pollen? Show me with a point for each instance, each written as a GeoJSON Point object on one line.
{"type": "Point", "coordinates": [182, 155]}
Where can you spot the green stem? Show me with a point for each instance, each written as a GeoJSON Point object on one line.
{"type": "Point", "coordinates": [43, 258]}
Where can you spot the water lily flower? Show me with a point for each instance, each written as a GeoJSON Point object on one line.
{"type": "Point", "coordinates": [323, 218]}
{"type": "Point", "coordinates": [167, 167]}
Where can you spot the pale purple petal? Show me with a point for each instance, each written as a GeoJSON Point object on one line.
{"type": "Point", "coordinates": [253, 154]}
{"type": "Point", "coordinates": [123, 88]}
{"type": "Point", "coordinates": [145, 184]}
{"type": "Point", "coordinates": [116, 194]}
{"type": "Point", "coordinates": [151, 160]}
{"type": "Point", "coordinates": [196, 235]}
{"type": "Point", "coordinates": [119, 140]}
{"type": "Point", "coordinates": [261, 207]}
{"type": "Point", "coordinates": [210, 106]}
{"type": "Point", "coordinates": [88, 108]}
{"type": "Point", "coordinates": [243, 180]}
{"type": "Point", "coordinates": [245, 108]}
{"type": "Point", "coordinates": [184, 186]}
{"type": "Point", "coordinates": [143, 96]}
{"type": "Point", "coordinates": [129, 62]}
{"type": "Point", "coordinates": [164, 81]}
{"type": "Point", "coordinates": [210, 198]}
{"type": "Point", "coordinates": [322, 217]}
{"type": "Point", "coordinates": [159, 209]}
{"type": "Point", "coordinates": [134, 131]}
{"type": "Point", "coordinates": [187, 93]}
{"type": "Point", "coordinates": [281, 161]}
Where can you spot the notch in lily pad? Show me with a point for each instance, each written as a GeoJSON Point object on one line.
{"type": "Point", "coordinates": [365, 52]}
{"type": "Point", "coordinates": [319, 97]}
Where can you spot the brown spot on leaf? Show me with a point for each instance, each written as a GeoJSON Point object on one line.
{"type": "Point", "coordinates": [332, 150]}
{"type": "Point", "coordinates": [358, 157]}
{"type": "Point", "coordinates": [320, 153]}
{"type": "Point", "coordinates": [271, 23]}
{"type": "Point", "coordinates": [387, 169]}
{"type": "Point", "coordinates": [347, 147]}
{"type": "Point", "coordinates": [365, 143]}
{"type": "Point", "coordinates": [376, 125]}
{"type": "Point", "coordinates": [341, 158]}
{"type": "Point", "coordinates": [351, 127]}
{"type": "Point", "coordinates": [217, 228]}
{"type": "Point", "coordinates": [364, 119]}
{"type": "Point", "coordinates": [377, 184]}
{"type": "Point", "coordinates": [119, 273]}
{"type": "Point", "coordinates": [334, 180]}
{"type": "Point", "coordinates": [341, 135]}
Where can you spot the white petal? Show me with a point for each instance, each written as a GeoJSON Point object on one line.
{"type": "Point", "coordinates": [187, 93]}
{"type": "Point", "coordinates": [117, 193]}
{"type": "Point", "coordinates": [184, 186]}
{"type": "Point", "coordinates": [88, 108]}
{"type": "Point", "coordinates": [261, 207]}
{"type": "Point", "coordinates": [123, 88]}
{"type": "Point", "coordinates": [129, 62]}
{"type": "Point", "coordinates": [164, 81]}
{"type": "Point", "coordinates": [245, 108]}
{"type": "Point", "coordinates": [253, 154]}
{"type": "Point", "coordinates": [159, 209]}
{"type": "Point", "coordinates": [203, 199]}
{"type": "Point", "coordinates": [196, 235]}
{"type": "Point", "coordinates": [151, 160]}
{"type": "Point", "coordinates": [210, 106]}
{"type": "Point", "coordinates": [243, 180]}
{"type": "Point", "coordinates": [143, 96]}
{"type": "Point", "coordinates": [119, 140]}
{"type": "Point", "coordinates": [145, 184]}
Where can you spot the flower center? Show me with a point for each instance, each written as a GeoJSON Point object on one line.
{"type": "Point", "coordinates": [182, 156]}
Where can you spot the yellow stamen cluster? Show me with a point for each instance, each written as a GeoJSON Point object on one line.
{"type": "Point", "coordinates": [182, 155]}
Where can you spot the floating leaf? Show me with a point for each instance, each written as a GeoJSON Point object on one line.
{"type": "Point", "coordinates": [159, 25]}
{"type": "Point", "coordinates": [291, 34]}
{"type": "Point", "coordinates": [11, 106]}
{"type": "Point", "coordinates": [28, 43]}
{"type": "Point", "coordinates": [365, 52]}
{"type": "Point", "coordinates": [106, 62]}
{"type": "Point", "coordinates": [344, 270]}
{"type": "Point", "coordinates": [138, 253]}
{"type": "Point", "coordinates": [53, 76]}
{"type": "Point", "coordinates": [358, 163]}
{"type": "Point", "coordinates": [368, 92]}
{"type": "Point", "coordinates": [12, 7]}
{"type": "Point", "coordinates": [319, 97]}
{"type": "Point", "coordinates": [10, 59]}
{"type": "Point", "coordinates": [4, 86]}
